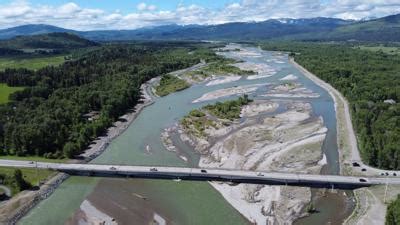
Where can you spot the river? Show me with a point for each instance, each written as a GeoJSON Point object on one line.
{"type": "Point", "coordinates": [182, 202]}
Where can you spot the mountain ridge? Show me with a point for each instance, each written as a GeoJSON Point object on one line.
{"type": "Point", "coordinates": [44, 42]}
{"type": "Point", "coordinates": [319, 28]}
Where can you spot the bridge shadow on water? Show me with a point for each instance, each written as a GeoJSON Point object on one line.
{"type": "Point", "coordinates": [228, 179]}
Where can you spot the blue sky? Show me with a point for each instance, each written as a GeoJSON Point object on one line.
{"type": "Point", "coordinates": [130, 5]}
{"type": "Point", "coordinates": [133, 14]}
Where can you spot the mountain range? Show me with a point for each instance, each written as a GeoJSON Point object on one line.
{"type": "Point", "coordinates": [323, 29]}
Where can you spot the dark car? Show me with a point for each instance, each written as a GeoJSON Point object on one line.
{"type": "Point", "coordinates": [363, 180]}
{"type": "Point", "coordinates": [153, 169]}
{"type": "Point", "coordinates": [204, 171]}
{"type": "Point", "coordinates": [363, 169]}
{"type": "Point", "coordinates": [356, 164]}
{"type": "Point", "coordinates": [113, 168]}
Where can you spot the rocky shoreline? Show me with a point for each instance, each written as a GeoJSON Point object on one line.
{"type": "Point", "coordinates": [101, 143]}
{"type": "Point", "coordinates": [26, 200]}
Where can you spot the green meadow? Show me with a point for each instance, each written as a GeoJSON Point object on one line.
{"type": "Point", "coordinates": [384, 49]}
{"type": "Point", "coordinates": [5, 92]}
{"type": "Point", "coordinates": [30, 63]}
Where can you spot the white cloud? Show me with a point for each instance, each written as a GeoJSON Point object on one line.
{"type": "Point", "coordinates": [69, 8]}
{"type": "Point", "coordinates": [73, 16]}
{"type": "Point", "coordinates": [233, 6]}
{"type": "Point", "coordinates": [141, 6]}
{"type": "Point", "coordinates": [151, 7]}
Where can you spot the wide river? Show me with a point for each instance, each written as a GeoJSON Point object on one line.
{"type": "Point", "coordinates": [134, 201]}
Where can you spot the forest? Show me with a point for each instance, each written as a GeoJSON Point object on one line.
{"type": "Point", "coordinates": [371, 83]}
{"type": "Point", "coordinates": [393, 212]}
{"type": "Point", "coordinates": [169, 84]}
{"type": "Point", "coordinates": [47, 117]}
{"type": "Point", "coordinates": [229, 110]}
{"type": "Point", "coordinates": [198, 120]}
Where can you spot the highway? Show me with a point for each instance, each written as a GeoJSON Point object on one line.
{"type": "Point", "coordinates": [236, 176]}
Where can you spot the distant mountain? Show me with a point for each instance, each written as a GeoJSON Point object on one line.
{"type": "Point", "coordinates": [229, 31]}
{"type": "Point", "coordinates": [58, 41]}
{"type": "Point", "coordinates": [146, 33]}
{"type": "Point", "coordinates": [258, 30]}
{"type": "Point", "coordinates": [237, 31]}
{"type": "Point", "coordinates": [320, 29]}
{"type": "Point", "coordinates": [382, 29]}
{"type": "Point", "coordinates": [31, 29]}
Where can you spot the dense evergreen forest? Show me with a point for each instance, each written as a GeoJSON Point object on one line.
{"type": "Point", "coordinates": [43, 44]}
{"type": "Point", "coordinates": [47, 117]}
{"type": "Point", "coordinates": [371, 82]}
{"type": "Point", "coordinates": [393, 213]}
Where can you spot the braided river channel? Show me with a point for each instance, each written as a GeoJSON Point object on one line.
{"type": "Point", "coordinates": [141, 201]}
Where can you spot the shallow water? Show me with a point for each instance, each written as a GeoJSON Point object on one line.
{"type": "Point", "coordinates": [183, 202]}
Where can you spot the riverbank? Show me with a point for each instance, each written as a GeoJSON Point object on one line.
{"type": "Point", "coordinates": [101, 143]}
{"type": "Point", "coordinates": [371, 207]}
{"type": "Point", "coordinates": [346, 139]}
{"type": "Point", "coordinates": [18, 206]}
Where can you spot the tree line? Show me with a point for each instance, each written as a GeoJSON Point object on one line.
{"type": "Point", "coordinates": [371, 83]}
{"type": "Point", "coordinates": [47, 117]}
{"type": "Point", "coordinates": [393, 212]}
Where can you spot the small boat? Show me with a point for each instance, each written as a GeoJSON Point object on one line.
{"type": "Point", "coordinates": [139, 196]}
{"type": "Point", "coordinates": [148, 149]}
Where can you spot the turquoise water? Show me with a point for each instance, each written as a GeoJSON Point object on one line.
{"type": "Point", "coordinates": [130, 149]}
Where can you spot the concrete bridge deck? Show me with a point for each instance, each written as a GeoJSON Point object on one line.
{"type": "Point", "coordinates": [237, 176]}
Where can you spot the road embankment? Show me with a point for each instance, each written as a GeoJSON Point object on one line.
{"type": "Point", "coordinates": [371, 207]}
{"type": "Point", "coordinates": [19, 206]}
{"type": "Point", "coordinates": [346, 137]}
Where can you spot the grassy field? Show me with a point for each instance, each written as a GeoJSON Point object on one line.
{"type": "Point", "coordinates": [32, 176]}
{"type": "Point", "coordinates": [33, 158]}
{"type": "Point", "coordinates": [5, 91]}
{"type": "Point", "coordinates": [30, 63]}
{"type": "Point", "coordinates": [387, 50]}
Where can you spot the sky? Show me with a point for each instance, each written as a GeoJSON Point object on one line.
{"type": "Point", "coordinates": [133, 14]}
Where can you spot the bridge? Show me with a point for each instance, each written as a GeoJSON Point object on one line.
{"type": "Point", "coordinates": [200, 174]}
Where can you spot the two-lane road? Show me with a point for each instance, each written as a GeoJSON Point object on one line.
{"type": "Point", "coordinates": [237, 176]}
